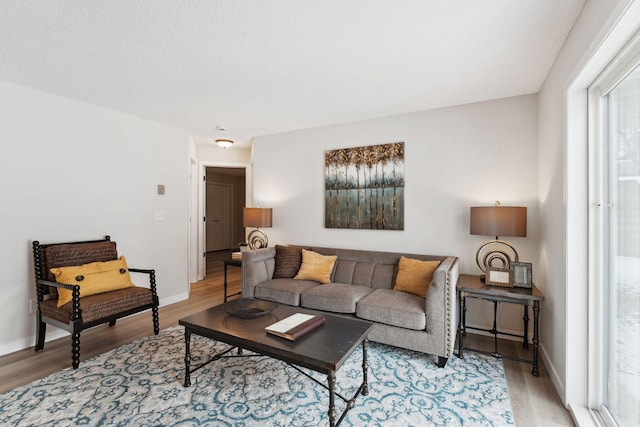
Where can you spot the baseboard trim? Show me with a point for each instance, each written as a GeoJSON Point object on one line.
{"type": "Point", "coordinates": [174, 299]}
{"type": "Point", "coordinates": [53, 333]}
{"type": "Point", "coordinates": [553, 374]}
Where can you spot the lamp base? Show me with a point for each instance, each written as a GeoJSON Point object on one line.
{"type": "Point", "coordinates": [495, 253]}
{"type": "Point", "coordinates": [258, 239]}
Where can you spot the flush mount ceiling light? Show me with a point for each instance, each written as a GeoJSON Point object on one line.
{"type": "Point", "coordinates": [223, 142]}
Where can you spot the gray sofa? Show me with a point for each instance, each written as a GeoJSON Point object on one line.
{"type": "Point", "coordinates": [362, 286]}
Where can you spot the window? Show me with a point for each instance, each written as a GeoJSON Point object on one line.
{"type": "Point", "coordinates": [615, 178]}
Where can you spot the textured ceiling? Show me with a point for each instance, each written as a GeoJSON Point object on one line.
{"type": "Point", "coordinates": [260, 67]}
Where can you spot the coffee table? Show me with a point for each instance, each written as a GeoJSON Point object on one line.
{"type": "Point", "coordinates": [323, 350]}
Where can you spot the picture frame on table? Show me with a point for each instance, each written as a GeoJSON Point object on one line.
{"type": "Point", "coordinates": [499, 277]}
{"type": "Point", "coordinates": [521, 273]}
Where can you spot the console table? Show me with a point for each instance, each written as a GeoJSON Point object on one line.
{"type": "Point", "coordinates": [470, 286]}
{"type": "Point", "coordinates": [227, 263]}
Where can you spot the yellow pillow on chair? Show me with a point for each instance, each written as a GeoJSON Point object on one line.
{"type": "Point", "coordinates": [93, 278]}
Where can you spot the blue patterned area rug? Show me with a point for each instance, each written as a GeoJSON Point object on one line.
{"type": "Point", "coordinates": [140, 384]}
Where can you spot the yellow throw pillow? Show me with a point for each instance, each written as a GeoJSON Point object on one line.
{"type": "Point", "coordinates": [414, 276]}
{"type": "Point", "coordinates": [316, 267]}
{"type": "Point", "coordinates": [93, 278]}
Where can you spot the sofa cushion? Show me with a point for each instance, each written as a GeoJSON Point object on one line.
{"type": "Point", "coordinates": [414, 275]}
{"type": "Point", "coordinates": [334, 297]}
{"type": "Point", "coordinates": [393, 308]}
{"type": "Point", "coordinates": [316, 267]}
{"type": "Point", "coordinates": [288, 260]}
{"type": "Point", "coordinates": [285, 291]}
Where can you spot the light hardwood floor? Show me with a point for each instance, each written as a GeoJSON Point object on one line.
{"type": "Point", "coordinates": [533, 399]}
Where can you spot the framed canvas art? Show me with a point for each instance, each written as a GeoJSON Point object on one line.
{"type": "Point", "coordinates": [364, 187]}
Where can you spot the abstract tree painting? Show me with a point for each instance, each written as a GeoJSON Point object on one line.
{"type": "Point", "coordinates": [364, 187]}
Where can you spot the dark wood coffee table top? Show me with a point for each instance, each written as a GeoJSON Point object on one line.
{"type": "Point", "coordinates": [323, 350]}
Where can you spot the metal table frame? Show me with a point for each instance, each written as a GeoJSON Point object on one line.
{"type": "Point", "coordinates": [470, 286]}
{"type": "Point", "coordinates": [227, 263]}
{"type": "Point", "coordinates": [310, 352]}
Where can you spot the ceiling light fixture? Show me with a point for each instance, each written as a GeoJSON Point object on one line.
{"type": "Point", "coordinates": [224, 143]}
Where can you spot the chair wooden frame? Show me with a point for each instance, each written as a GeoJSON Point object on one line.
{"type": "Point", "coordinates": [76, 324]}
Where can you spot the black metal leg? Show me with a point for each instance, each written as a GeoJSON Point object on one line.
{"type": "Point", "coordinates": [332, 399]}
{"type": "Point", "coordinates": [365, 366]}
{"type": "Point", "coordinates": [494, 331]}
{"type": "Point", "coordinates": [187, 358]}
{"type": "Point", "coordinates": [225, 281]}
{"type": "Point", "coordinates": [464, 316]}
{"type": "Point", "coordinates": [525, 341]}
{"type": "Point", "coordinates": [461, 325]}
{"type": "Point", "coordinates": [536, 340]}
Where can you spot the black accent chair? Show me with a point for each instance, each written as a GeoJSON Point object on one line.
{"type": "Point", "coordinates": [92, 310]}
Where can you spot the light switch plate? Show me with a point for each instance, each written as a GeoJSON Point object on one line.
{"type": "Point", "coordinates": [161, 189]}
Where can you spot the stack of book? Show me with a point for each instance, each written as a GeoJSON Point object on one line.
{"type": "Point", "coordinates": [237, 256]}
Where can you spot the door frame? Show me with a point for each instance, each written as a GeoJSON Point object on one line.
{"type": "Point", "coordinates": [198, 230]}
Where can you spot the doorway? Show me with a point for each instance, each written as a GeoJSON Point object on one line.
{"type": "Point", "coordinates": [224, 198]}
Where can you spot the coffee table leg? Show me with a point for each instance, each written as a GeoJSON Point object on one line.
{"type": "Point", "coordinates": [187, 358]}
{"type": "Point", "coordinates": [365, 366]}
{"type": "Point", "coordinates": [332, 403]}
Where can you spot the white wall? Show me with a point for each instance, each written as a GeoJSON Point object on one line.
{"type": "Point", "coordinates": [455, 158]}
{"type": "Point", "coordinates": [563, 207]}
{"type": "Point", "coordinates": [72, 171]}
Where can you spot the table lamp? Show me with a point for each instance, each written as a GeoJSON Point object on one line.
{"type": "Point", "coordinates": [497, 221]}
{"type": "Point", "coordinates": [257, 217]}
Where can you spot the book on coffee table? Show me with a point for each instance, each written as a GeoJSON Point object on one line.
{"type": "Point", "coordinates": [295, 326]}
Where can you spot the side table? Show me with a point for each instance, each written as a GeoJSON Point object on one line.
{"type": "Point", "coordinates": [227, 263]}
{"type": "Point", "coordinates": [470, 286]}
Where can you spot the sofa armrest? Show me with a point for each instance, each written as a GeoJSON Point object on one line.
{"type": "Point", "coordinates": [441, 307]}
{"type": "Point", "coordinates": [257, 267]}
